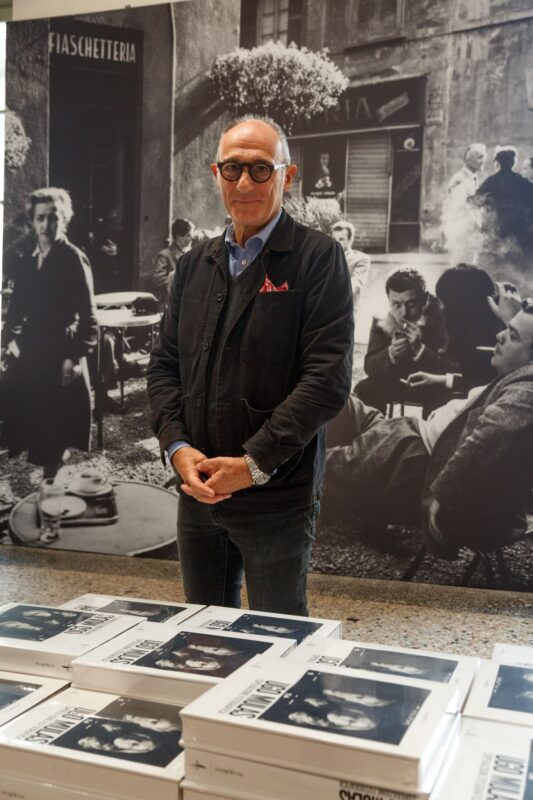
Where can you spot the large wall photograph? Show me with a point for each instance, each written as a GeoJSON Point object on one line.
{"type": "Point", "coordinates": [414, 150]}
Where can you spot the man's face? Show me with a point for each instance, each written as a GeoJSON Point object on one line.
{"type": "Point", "coordinates": [251, 205]}
{"type": "Point", "coordinates": [184, 241]}
{"type": "Point", "coordinates": [514, 346]}
{"type": "Point", "coordinates": [48, 223]}
{"type": "Point", "coordinates": [406, 306]}
{"type": "Point", "coordinates": [475, 159]}
{"type": "Point", "coordinates": [342, 237]}
{"type": "Point", "coordinates": [527, 170]}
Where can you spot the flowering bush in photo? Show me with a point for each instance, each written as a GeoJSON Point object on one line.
{"type": "Point", "coordinates": [284, 82]}
{"type": "Point", "coordinates": [17, 143]}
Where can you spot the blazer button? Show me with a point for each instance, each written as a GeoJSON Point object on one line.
{"type": "Point", "coordinates": [200, 402]}
{"type": "Point", "coordinates": [205, 346]}
{"type": "Point", "coordinates": [219, 298]}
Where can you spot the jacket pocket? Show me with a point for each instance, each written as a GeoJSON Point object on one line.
{"type": "Point", "coordinates": [271, 330]}
{"type": "Point", "coordinates": [253, 418]}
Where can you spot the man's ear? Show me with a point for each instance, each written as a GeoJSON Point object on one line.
{"type": "Point", "coordinates": [214, 170]}
{"type": "Point", "coordinates": [290, 173]}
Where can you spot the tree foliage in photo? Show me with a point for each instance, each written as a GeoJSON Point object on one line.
{"type": "Point", "coordinates": [286, 83]}
{"type": "Point", "coordinates": [17, 143]}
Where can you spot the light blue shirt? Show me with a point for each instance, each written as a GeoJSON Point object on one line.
{"type": "Point", "coordinates": [239, 259]}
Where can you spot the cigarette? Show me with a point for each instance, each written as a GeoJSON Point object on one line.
{"type": "Point", "coordinates": [403, 380]}
{"type": "Point", "coordinates": [488, 349]}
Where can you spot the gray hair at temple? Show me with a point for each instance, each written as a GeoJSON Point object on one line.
{"type": "Point", "coordinates": [268, 121]}
{"type": "Point", "coordinates": [51, 194]}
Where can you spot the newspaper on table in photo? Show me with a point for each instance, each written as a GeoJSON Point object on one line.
{"type": "Point", "coordinates": [151, 610]}
{"type": "Point", "coordinates": [43, 640]}
{"type": "Point", "coordinates": [513, 654]}
{"type": "Point", "coordinates": [360, 727]}
{"type": "Point", "coordinates": [492, 762]}
{"type": "Point", "coordinates": [19, 692]}
{"type": "Point", "coordinates": [241, 778]}
{"type": "Point", "coordinates": [161, 662]}
{"type": "Point", "coordinates": [455, 671]}
{"type": "Point", "coordinates": [258, 623]}
{"type": "Point", "coordinates": [502, 693]}
{"type": "Point", "coordinates": [96, 742]}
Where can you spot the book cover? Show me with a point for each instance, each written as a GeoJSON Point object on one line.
{"type": "Point", "coordinates": [455, 671]}
{"type": "Point", "coordinates": [97, 743]}
{"type": "Point", "coordinates": [159, 661]}
{"type": "Point", "coordinates": [18, 693]}
{"type": "Point", "coordinates": [359, 727]}
{"type": "Point", "coordinates": [43, 640]}
{"type": "Point", "coordinates": [502, 693]}
{"type": "Point", "coordinates": [492, 762]}
{"type": "Point", "coordinates": [258, 623]}
{"type": "Point", "coordinates": [150, 610]}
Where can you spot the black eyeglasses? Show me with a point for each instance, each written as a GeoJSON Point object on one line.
{"type": "Point", "coordinates": [259, 171]}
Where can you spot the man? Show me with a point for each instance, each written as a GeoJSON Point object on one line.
{"type": "Point", "coordinates": [461, 221]}
{"type": "Point", "coordinates": [358, 262]}
{"type": "Point", "coordinates": [409, 338]}
{"type": "Point", "coordinates": [469, 467]}
{"type": "Point", "coordinates": [254, 358]}
{"type": "Point", "coordinates": [506, 200]}
{"type": "Point", "coordinates": [527, 169]}
{"type": "Point", "coordinates": [165, 263]}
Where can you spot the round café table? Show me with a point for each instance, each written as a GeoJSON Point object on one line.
{"type": "Point", "coordinates": [146, 524]}
{"type": "Point", "coordinates": [112, 300]}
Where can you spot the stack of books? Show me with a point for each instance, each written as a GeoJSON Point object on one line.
{"type": "Point", "coordinates": [259, 623]}
{"type": "Point", "coordinates": [150, 610]}
{"type": "Point", "coordinates": [44, 640]}
{"type": "Point", "coordinates": [285, 728]}
{"type": "Point", "coordinates": [165, 662]}
{"type": "Point", "coordinates": [457, 672]}
{"type": "Point", "coordinates": [82, 745]}
{"type": "Point", "coordinates": [491, 762]}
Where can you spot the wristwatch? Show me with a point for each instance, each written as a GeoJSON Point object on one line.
{"type": "Point", "coordinates": [258, 476]}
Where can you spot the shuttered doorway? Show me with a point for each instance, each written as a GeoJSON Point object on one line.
{"type": "Point", "coordinates": [368, 188]}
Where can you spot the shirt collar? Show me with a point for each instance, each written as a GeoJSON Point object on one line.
{"type": "Point", "coordinates": [262, 235]}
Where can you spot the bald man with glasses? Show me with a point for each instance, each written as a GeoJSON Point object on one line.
{"type": "Point", "coordinates": [254, 358]}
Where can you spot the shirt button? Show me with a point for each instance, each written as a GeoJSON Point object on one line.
{"type": "Point", "coordinates": [219, 298]}
{"type": "Point", "coordinates": [244, 262]}
{"type": "Point", "coordinates": [205, 346]}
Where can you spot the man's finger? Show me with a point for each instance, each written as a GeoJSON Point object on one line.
{"type": "Point", "coordinates": [202, 498]}
{"type": "Point", "coordinates": [197, 484]}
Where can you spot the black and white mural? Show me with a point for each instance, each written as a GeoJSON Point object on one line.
{"type": "Point", "coordinates": [422, 169]}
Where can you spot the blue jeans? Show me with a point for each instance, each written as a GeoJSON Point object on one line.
{"type": "Point", "coordinates": [217, 545]}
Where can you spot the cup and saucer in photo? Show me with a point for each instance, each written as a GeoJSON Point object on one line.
{"type": "Point", "coordinates": [90, 483]}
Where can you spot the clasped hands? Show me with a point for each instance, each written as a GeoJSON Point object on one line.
{"type": "Point", "coordinates": [210, 480]}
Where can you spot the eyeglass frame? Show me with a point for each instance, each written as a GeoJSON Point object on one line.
{"type": "Point", "coordinates": [249, 165]}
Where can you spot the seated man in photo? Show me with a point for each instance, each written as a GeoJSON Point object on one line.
{"type": "Point", "coordinates": [464, 474]}
{"type": "Point", "coordinates": [411, 337]}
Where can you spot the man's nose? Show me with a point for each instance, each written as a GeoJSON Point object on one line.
{"type": "Point", "coordinates": [245, 181]}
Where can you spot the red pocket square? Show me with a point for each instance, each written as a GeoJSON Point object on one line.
{"type": "Point", "coordinates": [268, 286]}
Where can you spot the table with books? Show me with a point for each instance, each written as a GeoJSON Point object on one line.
{"type": "Point", "coordinates": [134, 698]}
